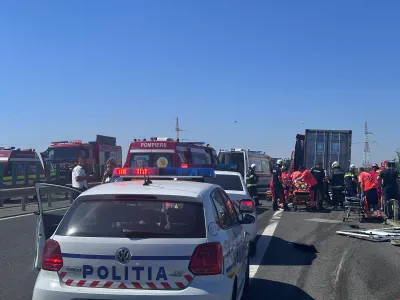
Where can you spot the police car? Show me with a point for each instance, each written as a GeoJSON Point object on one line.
{"type": "Point", "coordinates": [146, 237]}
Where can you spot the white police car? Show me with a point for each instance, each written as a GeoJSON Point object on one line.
{"type": "Point", "coordinates": [142, 239]}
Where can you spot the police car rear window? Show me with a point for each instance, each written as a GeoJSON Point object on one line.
{"type": "Point", "coordinates": [133, 219]}
{"type": "Point", "coordinates": [227, 182]}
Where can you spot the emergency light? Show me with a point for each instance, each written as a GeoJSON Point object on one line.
{"type": "Point", "coordinates": [164, 172]}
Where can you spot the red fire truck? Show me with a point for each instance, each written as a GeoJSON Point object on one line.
{"type": "Point", "coordinates": [167, 152]}
{"type": "Point", "coordinates": [67, 153]}
{"type": "Point", "coordinates": [19, 158]}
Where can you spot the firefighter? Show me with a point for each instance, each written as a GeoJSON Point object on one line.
{"type": "Point", "coordinates": [319, 174]}
{"type": "Point", "coordinates": [278, 190]}
{"type": "Point", "coordinates": [351, 181]}
{"type": "Point", "coordinates": [251, 182]}
{"type": "Point", "coordinates": [337, 182]}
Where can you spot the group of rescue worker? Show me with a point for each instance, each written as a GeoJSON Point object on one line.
{"type": "Point", "coordinates": [378, 187]}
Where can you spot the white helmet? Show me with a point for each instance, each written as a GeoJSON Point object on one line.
{"type": "Point", "coordinates": [335, 164]}
{"type": "Point", "coordinates": [352, 166]}
{"type": "Point", "coordinates": [253, 166]}
{"type": "Point", "coordinates": [279, 162]}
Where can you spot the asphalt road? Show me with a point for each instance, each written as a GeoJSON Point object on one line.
{"type": "Point", "coordinates": [343, 268]}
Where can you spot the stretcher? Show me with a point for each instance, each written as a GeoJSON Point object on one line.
{"type": "Point", "coordinates": [302, 196]}
{"type": "Point", "coordinates": [353, 205]}
{"type": "Point", "coordinates": [356, 208]}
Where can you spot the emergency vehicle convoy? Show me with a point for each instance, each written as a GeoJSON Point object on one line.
{"type": "Point", "coordinates": [21, 159]}
{"type": "Point", "coordinates": [244, 159]}
{"type": "Point", "coordinates": [67, 153]}
{"type": "Point", "coordinates": [167, 152]}
{"type": "Point", "coordinates": [159, 236]}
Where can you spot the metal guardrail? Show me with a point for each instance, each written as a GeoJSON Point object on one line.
{"type": "Point", "coordinates": [25, 192]}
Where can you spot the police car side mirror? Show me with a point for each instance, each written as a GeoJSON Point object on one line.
{"type": "Point", "coordinates": [247, 219]}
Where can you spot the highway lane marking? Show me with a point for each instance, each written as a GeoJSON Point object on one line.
{"type": "Point", "coordinates": [324, 220]}
{"type": "Point", "coordinates": [29, 214]}
{"type": "Point", "coordinates": [340, 267]}
{"type": "Point", "coordinates": [263, 243]}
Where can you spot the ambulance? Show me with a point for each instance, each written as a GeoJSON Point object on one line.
{"type": "Point", "coordinates": [167, 152]}
{"type": "Point", "coordinates": [244, 159]}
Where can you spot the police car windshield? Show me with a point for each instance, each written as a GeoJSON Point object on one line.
{"type": "Point", "coordinates": [227, 182]}
{"type": "Point", "coordinates": [133, 219]}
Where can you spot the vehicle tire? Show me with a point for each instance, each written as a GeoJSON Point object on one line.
{"type": "Point", "coordinates": [234, 291]}
{"type": "Point", "coordinates": [252, 249]}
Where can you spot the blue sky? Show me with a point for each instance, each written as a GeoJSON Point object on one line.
{"type": "Point", "coordinates": [74, 69]}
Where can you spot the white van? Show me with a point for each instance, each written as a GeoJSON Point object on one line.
{"type": "Point", "coordinates": [244, 159]}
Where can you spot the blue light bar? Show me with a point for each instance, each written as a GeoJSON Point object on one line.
{"type": "Point", "coordinates": [226, 167]}
{"type": "Point", "coordinates": [189, 172]}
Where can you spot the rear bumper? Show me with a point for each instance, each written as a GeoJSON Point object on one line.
{"type": "Point", "coordinates": [48, 287]}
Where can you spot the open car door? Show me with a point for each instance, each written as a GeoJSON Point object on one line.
{"type": "Point", "coordinates": [53, 202]}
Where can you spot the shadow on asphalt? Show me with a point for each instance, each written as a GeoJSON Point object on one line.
{"type": "Point", "coordinates": [282, 253]}
{"type": "Point", "coordinates": [270, 290]}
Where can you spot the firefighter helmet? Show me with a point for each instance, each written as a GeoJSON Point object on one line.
{"type": "Point", "coordinates": [335, 164]}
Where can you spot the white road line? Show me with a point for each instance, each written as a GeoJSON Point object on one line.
{"type": "Point", "coordinates": [340, 267]}
{"type": "Point", "coordinates": [324, 220]}
{"type": "Point", "coordinates": [29, 214]}
{"type": "Point", "coordinates": [263, 243]}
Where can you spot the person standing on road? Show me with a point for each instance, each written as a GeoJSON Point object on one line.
{"type": "Point", "coordinates": [108, 174]}
{"type": "Point", "coordinates": [319, 174]}
{"type": "Point", "coordinates": [351, 181]}
{"type": "Point", "coordinates": [375, 176]}
{"type": "Point", "coordinates": [308, 179]}
{"type": "Point", "coordinates": [368, 189]}
{"type": "Point", "coordinates": [79, 177]}
{"type": "Point", "coordinates": [337, 182]}
{"type": "Point", "coordinates": [389, 179]}
{"type": "Point", "coordinates": [279, 187]}
{"type": "Point", "coordinates": [251, 182]}
{"type": "Point", "coordinates": [287, 182]}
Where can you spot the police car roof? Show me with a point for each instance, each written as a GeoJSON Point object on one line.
{"type": "Point", "coordinates": [158, 187]}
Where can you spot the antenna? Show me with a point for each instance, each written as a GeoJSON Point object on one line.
{"type": "Point", "coordinates": [367, 151]}
{"type": "Point", "coordinates": [177, 129]}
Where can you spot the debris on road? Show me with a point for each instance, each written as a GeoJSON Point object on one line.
{"type": "Point", "coordinates": [354, 226]}
{"type": "Point", "coordinates": [391, 234]}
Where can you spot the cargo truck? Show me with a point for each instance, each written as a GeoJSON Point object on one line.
{"type": "Point", "coordinates": [326, 146]}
